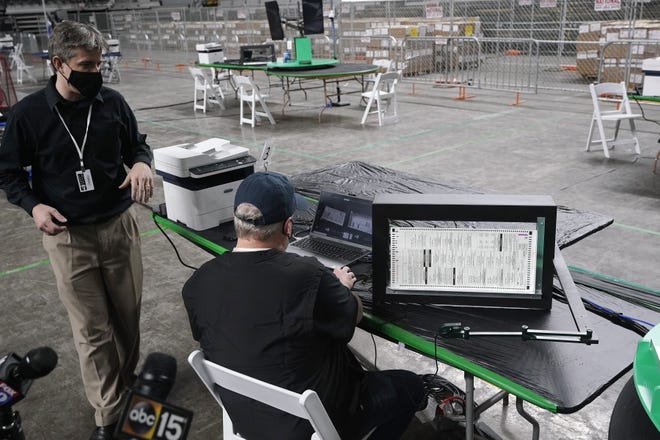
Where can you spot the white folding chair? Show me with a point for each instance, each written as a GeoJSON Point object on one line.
{"type": "Point", "coordinates": [249, 92]}
{"type": "Point", "coordinates": [611, 92]}
{"type": "Point", "coordinates": [110, 68]}
{"type": "Point", "coordinates": [224, 77]}
{"type": "Point", "coordinates": [204, 84]}
{"type": "Point", "coordinates": [383, 93]}
{"type": "Point", "coordinates": [306, 405]}
{"type": "Point", "coordinates": [384, 66]}
{"type": "Point", "coordinates": [18, 61]}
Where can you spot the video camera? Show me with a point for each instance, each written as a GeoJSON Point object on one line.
{"type": "Point", "coordinates": [16, 376]}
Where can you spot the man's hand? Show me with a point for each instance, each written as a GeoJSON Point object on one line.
{"type": "Point", "coordinates": [345, 276]}
{"type": "Point", "coordinates": [48, 219]}
{"type": "Point", "coordinates": [141, 180]}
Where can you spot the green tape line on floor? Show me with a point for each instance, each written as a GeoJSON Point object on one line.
{"type": "Point", "coordinates": [47, 261]}
{"type": "Point", "coordinates": [638, 229]}
{"type": "Point", "coordinates": [613, 279]}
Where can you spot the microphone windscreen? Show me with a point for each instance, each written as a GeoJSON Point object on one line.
{"type": "Point", "coordinates": [37, 363]}
{"type": "Point", "coordinates": [157, 376]}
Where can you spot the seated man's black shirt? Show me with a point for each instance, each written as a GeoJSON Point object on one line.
{"type": "Point", "coordinates": [281, 318]}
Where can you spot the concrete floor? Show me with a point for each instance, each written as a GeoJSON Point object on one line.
{"type": "Point", "coordinates": [536, 148]}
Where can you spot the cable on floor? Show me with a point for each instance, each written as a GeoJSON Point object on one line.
{"type": "Point", "coordinates": [176, 251]}
{"type": "Point", "coordinates": [641, 109]}
{"type": "Point", "coordinates": [162, 106]}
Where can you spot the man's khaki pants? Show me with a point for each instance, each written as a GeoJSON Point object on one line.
{"type": "Point", "coordinates": [99, 279]}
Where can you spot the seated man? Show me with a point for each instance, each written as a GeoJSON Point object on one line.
{"type": "Point", "coordinates": [286, 320]}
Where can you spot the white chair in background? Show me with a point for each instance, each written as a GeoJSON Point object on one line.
{"type": "Point", "coordinates": [209, 91]}
{"type": "Point", "coordinates": [383, 93]}
{"type": "Point", "coordinates": [224, 76]}
{"type": "Point", "coordinates": [18, 61]}
{"type": "Point", "coordinates": [615, 92]}
{"type": "Point", "coordinates": [110, 68]}
{"type": "Point", "coordinates": [249, 92]}
{"type": "Point", "coordinates": [384, 66]}
{"type": "Point", "coordinates": [307, 405]}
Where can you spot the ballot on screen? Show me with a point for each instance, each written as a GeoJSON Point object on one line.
{"type": "Point", "coordinates": [464, 249]}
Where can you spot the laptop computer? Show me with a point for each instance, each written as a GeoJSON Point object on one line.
{"type": "Point", "coordinates": [257, 54]}
{"type": "Point", "coordinates": [341, 231]}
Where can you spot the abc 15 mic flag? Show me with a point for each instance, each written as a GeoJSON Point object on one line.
{"type": "Point", "coordinates": [144, 418]}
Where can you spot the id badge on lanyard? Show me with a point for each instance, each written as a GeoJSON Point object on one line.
{"type": "Point", "coordinates": [84, 176]}
{"type": "Point", "coordinates": [84, 179]}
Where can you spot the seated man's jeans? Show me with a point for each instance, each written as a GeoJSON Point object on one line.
{"type": "Point", "coordinates": [389, 401]}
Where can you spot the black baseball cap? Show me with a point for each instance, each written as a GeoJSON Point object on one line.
{"type": "Point", "coordinates": [271, 193]}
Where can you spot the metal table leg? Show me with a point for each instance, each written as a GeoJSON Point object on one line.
{"type": "Point", "coordinates": [469, 406]}
{"type": "Point", "coordinates": [527, 416]}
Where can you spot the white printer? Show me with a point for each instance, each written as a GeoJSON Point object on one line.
{"type": "Point", "coordinates": [651, 69]}
{"type": "Point", "coordinates": [200, 180]}
{"type": "Point", "coordinates": [209, 53]}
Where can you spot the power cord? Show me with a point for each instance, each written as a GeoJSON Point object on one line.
{"type": "Point", "coordinates": [176, 251]}
{"type": "Point", "coordinates": [162, 106]}
{"type": "Point", "coordinates": [373, 340]}
{"type": "Point", "coordinates": [633, 324]}
{"type": "Point", "coordinates": [449, 398]}
{"type": "Point", "coordinates": [641, 109]}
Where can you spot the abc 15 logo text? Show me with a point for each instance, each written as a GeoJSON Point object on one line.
{"type": "Point", "coordinates": [144, 418]}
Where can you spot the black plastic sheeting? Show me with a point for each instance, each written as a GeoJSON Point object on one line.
{"type": "Point", "coordinates": [362, 179]}
{"type": "Point", "coordinates": [569, 374]}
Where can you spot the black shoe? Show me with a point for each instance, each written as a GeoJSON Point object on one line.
{"type": "Point", "coordinates": [103, 432]}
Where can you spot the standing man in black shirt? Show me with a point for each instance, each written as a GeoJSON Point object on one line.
{"type": "Point", "coordinates": [89, 163]}
{"type": "Point", "coordinates": [286, 320]}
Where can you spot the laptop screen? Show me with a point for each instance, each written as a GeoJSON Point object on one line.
{"type": "Point", "coordinates": [263, 53]}
{"type": "Point", "coordinates": [344, 218]}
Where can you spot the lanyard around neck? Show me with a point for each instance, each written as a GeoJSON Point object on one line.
{"type": "Point", "coordinates": [81, 148]}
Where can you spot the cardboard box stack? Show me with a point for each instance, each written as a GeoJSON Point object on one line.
{"type": "Point", "coordinates": [622, 49]}
{"type": "Point", "coordinates": [423, 56]}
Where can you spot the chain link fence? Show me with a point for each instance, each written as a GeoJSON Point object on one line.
{"type": "Point", "coordinates": [521, 45]}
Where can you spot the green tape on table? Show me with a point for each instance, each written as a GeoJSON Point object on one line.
{"type": "Point", "coordinates": [233, 66]}
{"type": "Point", "coordinates": [297, 65]}
{"type": "Point", "coordinates": [189, 235]}
{"type": "Point", "coordinates": [645, 98]}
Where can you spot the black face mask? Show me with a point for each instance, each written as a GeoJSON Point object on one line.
{"type": "Point", "coordinates": [88, 83]}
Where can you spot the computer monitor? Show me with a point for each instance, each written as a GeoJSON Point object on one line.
{"type": "Point", "coordinates": [274, 21]}
{"type": "Point", "coordinates": [464, 249]}
{"type": "Point", "coordinates": [312, 16]}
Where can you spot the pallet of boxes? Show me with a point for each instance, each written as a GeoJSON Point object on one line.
{"type": "Point", "coordinates": [456, 44]}
{"type": "Point", "coordinates": [610, 50]}
{"type": "Point", "coordinates": [417, 56]}
{"type": "Point", "coordinates": [426, 47]}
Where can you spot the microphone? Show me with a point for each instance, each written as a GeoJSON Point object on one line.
{"type": "Point", "coordinates": [146, 410]}
{"type": "Point", "coordinates": [157, 376]}
{"type": "Point", "coordinates": [16, 373]}
{"type": "Point", "coordinates": [37, 363]}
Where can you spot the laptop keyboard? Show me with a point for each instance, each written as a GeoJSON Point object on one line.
{"type": "Point", "coordinates": [329, 250]}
